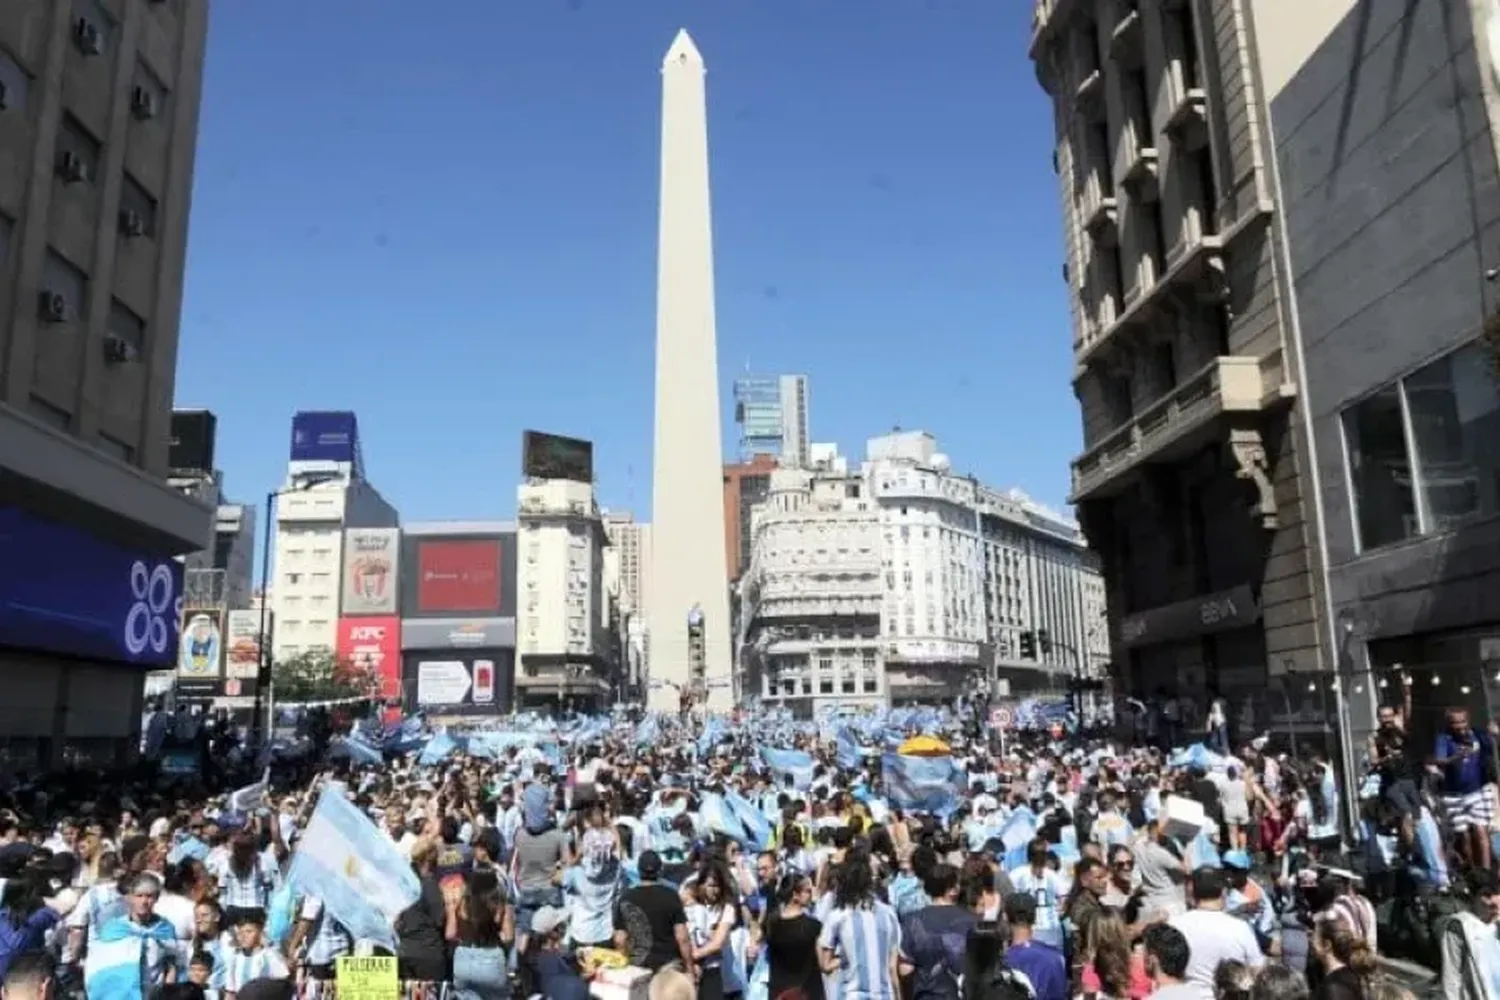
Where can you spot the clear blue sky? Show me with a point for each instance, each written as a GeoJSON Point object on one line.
{"type": "Point", "coordinates": [442, 216]}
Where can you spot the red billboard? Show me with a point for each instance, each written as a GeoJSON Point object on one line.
{"type": "Point", "coordinates": [372, 647]}
{"type": "Point", "coordinates": [461, 578]}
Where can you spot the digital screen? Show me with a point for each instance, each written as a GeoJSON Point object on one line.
{"type": "Point", "coordinates": [192, 445]}
{"type": "Point", "coordinates": [459, 577]}
{"type": "Point", "coordinates": [551, 456]}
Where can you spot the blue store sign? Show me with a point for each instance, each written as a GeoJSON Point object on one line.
{"type": "Point", "coordinates": [64, 591]}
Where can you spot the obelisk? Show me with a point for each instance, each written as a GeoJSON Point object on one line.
{"type": "Point", "coordinates": [689, 578]}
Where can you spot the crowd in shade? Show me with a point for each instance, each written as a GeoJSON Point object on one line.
{"type": "Point", "coordinates": [910, 853]}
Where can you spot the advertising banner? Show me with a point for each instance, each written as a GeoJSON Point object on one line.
{"type": "Point", "coordinates": [458, 683]}
{"type": "Point", "coordinates": [552, 456]}
{"type": "Point", "coordinates": [458, 577]}
{"type": "Point", "coordinates": [458, 633]}
{"type": "Point", "coordinates": [201, 653]}
{"type": "Point", "coordinates": [371, 561]}
{"type": "Point", "coordinates": [242, 645]}
{"type": "Point", "coordinates": [324, 436]}
{"type": "Point", "coordinates": [371, 646]}
{"type": "Point", "coordinates": [65, 591]}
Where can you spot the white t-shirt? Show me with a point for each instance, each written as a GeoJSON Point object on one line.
{"type": "Point", "coordinates": [1213, 936]}
{"type": "Point", "coordinates": [178, 911]}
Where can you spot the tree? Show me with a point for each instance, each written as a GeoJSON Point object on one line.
{"type": "Point", "coordinates": [317, 675]}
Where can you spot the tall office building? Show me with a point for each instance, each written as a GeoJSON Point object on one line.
{"type": "Point", "coordinates": [688, 617]}
{"type": "Point", "coordinates": [98, 129]}
{"type": "Point", "coordinates": [631, 542]}
{"type": "Point", "coordinates": [325, 494]}
{"type": "Point", "coordinates": [746, 486]}
{"type": "Point", "coordinates": [1196, 482]}
{"type": "Point", "coordinates": [772, 416]}
{"type": "Point", "coordinates": [1380, 126]}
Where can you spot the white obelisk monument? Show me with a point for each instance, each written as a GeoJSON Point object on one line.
{"type": "Point", "coordinates": [689, 594]}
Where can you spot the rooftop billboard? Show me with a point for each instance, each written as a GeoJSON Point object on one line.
{"type": "Point", "coordinates": [552, 456]}
{"type": "Point", "coordinates": [325, 436]}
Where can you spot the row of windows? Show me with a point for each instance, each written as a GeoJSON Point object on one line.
{"type": "Point", "coordinates": [1421, 453]}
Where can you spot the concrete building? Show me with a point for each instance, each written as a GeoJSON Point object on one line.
{"type": "Point", "coordinates": [688, 617]}
{"type": "Point", "coordinates": [630, 543]}
{"type": "Point", "coordinates": [566, 644]}
{"type": "Point", "coordinates": [902, 582]}
{"type": "Point", "coordinates": [771, 412]}
{"type": "Point", "coordinates": [1381, 130]}
{"type": "Point", "coordinates": [747, 485]}
{"type": "Point", "coordinates": [98, 132]}
{"type": "Point", "coordinates": [224, 574]}
{"type": "Point", "coordinates": [325, 493]}
{"type": "Point", "coordinates": [1196, 480]}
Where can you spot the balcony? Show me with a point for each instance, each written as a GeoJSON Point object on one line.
{"type": "Point", "coordinates": [1127, 38]}
{"type": "Point", "coordinates": [1102, 220]}
{"type": "Point", "coordinates": [1046, 17]}
{"type": "Point", "coordinates": [1179, 423]}
{"type": "Point", "coordinates": [1143, 174]}
{"type": "Point", "coordinates": [1188, 122]}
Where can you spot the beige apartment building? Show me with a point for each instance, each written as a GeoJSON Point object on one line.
{"type": "Point", "coordinates": [98, 126]}
{"type": "Point", "coordinates": [1193, 485]}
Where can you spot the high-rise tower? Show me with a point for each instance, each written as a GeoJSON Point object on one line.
{"type": "Point", "coordinates": [688, 613]}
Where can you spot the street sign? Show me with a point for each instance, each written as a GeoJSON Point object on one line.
{"type": "Point", "coordinates": [1002, 717]}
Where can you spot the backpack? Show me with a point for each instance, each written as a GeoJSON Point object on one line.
{"type": "Point", "coordinates": [1001, 982]}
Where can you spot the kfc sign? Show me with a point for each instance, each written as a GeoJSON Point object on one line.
{"type": "Point", "coordinates": [371, 647]}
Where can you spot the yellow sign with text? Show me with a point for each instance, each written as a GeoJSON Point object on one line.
{"type": "Point", "coordinates": [371, 978]}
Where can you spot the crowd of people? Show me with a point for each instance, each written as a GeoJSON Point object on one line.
{"type": "Point", "coordinates": [1058, 869]}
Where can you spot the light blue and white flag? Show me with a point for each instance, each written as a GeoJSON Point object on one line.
{"type": "Point", "coordinates": [784, 764]}
{"type": "Point", "coordinates": [356, 750]}
{"type": "Point", "coordinates": [922, 784]}
{"type": "Point", "coordinates": [438, 748]}
{"type": "Point", "coordinates": [252, 797]}
{"type": "Point", "coordinates": [344, 860]}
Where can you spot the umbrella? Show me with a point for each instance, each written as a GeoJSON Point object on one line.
{"type": "Point", "coordinates": [924, 746]}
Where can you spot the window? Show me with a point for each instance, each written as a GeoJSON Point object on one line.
{"type": "Point", "coordinates": [1454, 409]}
{"type": "Point", "coordinates": [53, 416]}
{"type": "Point", "coordinates": [61, 278]}
{"type": "Point", "coordinates": [148, 95]}
{"type": "Point", "coordinates": [117, 449]}
{"type": "Point", "coordinates": [93, 27]}
{"type": "Point", "coordinates": [128, 327]}
{"type": "Point", "coordinates": [137, 209]}
{"type": "Point", "coordinates": [15, 85]}
{"type": "Point", "coordinates": [1420, 452]}
{"type": "Point", "coordinates": [77, 153]}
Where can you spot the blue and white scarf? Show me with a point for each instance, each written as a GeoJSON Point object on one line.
{"type": "Point", "coordinates": [126, 958]}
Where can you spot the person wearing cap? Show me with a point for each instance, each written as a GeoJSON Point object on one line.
{"type": "Point", "coordinates": [554, 973]}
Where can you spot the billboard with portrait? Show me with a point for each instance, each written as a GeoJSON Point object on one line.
{"type": "Point", "coordinates": [371, 563]}
{"type": "Point", "coordinates": [200, 654]}
{"type": "Point", "coordinates": [242, 645]}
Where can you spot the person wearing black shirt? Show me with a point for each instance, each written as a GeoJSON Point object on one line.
{"type": "Point", "coordinates": [650, 921]}
{"type": "Point", "coordinates": [792, 940]}
{"type": "Point", "coordinates": [1390, 752]}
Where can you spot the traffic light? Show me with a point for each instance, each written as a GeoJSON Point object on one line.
{"type": "Point", "coordinates": [1028, 645]}
{"type": "Point", "coordinates": [1044, 640]}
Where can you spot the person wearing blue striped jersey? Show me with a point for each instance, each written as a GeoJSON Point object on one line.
{"type": "Point", "coordinates": [1049, 887]}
